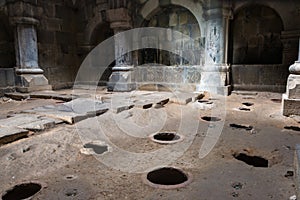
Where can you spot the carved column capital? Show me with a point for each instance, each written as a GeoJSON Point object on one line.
{"type": "Point", "coordinates": [24, 20]}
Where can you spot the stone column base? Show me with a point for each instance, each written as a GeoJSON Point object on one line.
{"type": "Point", "coordinates": [291, 100]}
{"type": "Point", "coordinates": [290, 106]}
{"type": "Point", "coordinates": [121, 80]}
{"type": "Point", "coordinates": [32, 82]}
{"type": "Point", "coordinates": [215, 79]}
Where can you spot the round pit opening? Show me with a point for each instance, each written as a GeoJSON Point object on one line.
{"type": "Point", "coordinates": [166, 137]}
{"type": "Point", "coordinates": [205, 102]}
{"type": "Point", "coordinates": [244, 109]}
{"type": "Point", "coordinates": [98, 149]}
{"type": "Point", "coordinates": [167, 178]}
{"type": "Point", "coordinates": [71, 193]}
{"type": "Point", "coordinates": [22, 191]}
{"type": "Point", "coordinates": [248, 104]}
{"type": "Point", "coordinates": [210, 119]}
{"type": "Point", "coordinates": [70, 177]}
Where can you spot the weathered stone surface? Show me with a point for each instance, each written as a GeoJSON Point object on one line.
{"type": "Point", "coordinates": [41, 95]}
{"type": "Point", "coordinates": [184, 98]}
{"type": "Point", "coordinates": [31, 82]}
{"type": "Point", "coordinates": [290, 106]}
{"type": "Point", "coordinates": [121, 107]}
{"type": "Point", "coordinates": [73, 111]}
{"type": "Point", "coordinates": [116, 15]}
{"type": "Point", "coordinates": [7, 77]}
{"type": "Point", "coordinates": [52, 95]}
{"type": "Point", "coordinates": [17, 96]}
{"type": "Point", "coordinates": [293, 86]}
{"type": "Point", "coordinates": [29, 122]}
{"type": "Point", "coordinates": [10, 134]}
{"type": "Point", "coordinates": [297, 168]}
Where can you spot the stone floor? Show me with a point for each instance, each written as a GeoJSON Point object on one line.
{"type": "Point", "coordinates": [48, 138]}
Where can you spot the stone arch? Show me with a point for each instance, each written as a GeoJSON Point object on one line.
{"type": "Point", "coordinates": [153, 6]}
{"type": "Point", "coordinates": [100, 33]}
{"type": "Point", "coordinates": [255, 35]}
{"type": "Point", "coordinates": [7, 51]}
{"type": "Point", "coordinates": [177, 18]}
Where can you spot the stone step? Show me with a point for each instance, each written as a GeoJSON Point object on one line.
{"type": "Point", "coordinates": [11, 134]}
{"type": "Point", "coordinates": [183, 98]}
{"type": "Point", "coordinates": [30, 122]}
{"type": "Point", "coordinates": [73, 111]}
{"type": "Point", "coordinates": [41, 95]}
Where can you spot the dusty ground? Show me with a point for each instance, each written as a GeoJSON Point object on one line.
{"type": "Point", "coordinates": [54, 157]}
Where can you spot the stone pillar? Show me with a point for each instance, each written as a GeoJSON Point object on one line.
{"type": "Point", "coordinates": [215, 75]}
{"type": "Point", "coordinates": [29, 75]}
{"type": "Point", "coordinates": [289, 40]}
{"type": "Point", "coordinates": [122, 77]}
{"type": "Point", "coordinates": [291, 100]}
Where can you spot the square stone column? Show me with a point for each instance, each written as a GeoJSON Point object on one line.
{"type": "Point", "coordinates": [29, 75]}
{"type": "Point", "coordinates": [291, 100]}
{"type": "Point", "coordinates": [122, 77]}
{"type": "Point", "coordinates": [215, 73]}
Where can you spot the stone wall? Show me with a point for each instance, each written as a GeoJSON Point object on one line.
{"type": "Point", "coordinates": [57, 42]}
{"type": "Point", "coordinates": [255, 34]}
{"type": "Point", "coordinates": [68, 31]}
{"type": "Point", "coordinates": [7, 49]}
{"type": "Point", "coordinates": [173, 77]}
{"type": "Point", "coordinates": [259, 77]}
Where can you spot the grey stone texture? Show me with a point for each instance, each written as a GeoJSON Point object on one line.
{"type": "Point", "coordinates": [297, 168]}
{"type": "Point", "coordinates": [73, 111]}
{"type": "Point", "coordinates": [10, 134]}
{"type": "Point", "coordinates": [55, 37]}
{"type": "Point", "coordinates": [291, 99]}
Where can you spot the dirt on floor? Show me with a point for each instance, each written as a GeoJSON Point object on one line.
{"type": "Point", "coordinates": [235, 147]}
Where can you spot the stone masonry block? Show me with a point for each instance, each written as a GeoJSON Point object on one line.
{"type": "Point", "coordinates": [118, 15]}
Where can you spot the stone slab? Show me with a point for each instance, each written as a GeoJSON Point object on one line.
{"type": "Point", "coordinates": [17, 96]}
{"type": "Point", "coordinates": [120, 108]}
{"type": "Point", "coordinates": [73, 111]}
{"type": "Point", "coordinates": [290, 106]}
{"type": "Point", "coordinates": [11, 134]}
{"type": "Point", "coordinates": [48, 95]}
{"type": "Point", "coordinates": [185, 98]}
{"type": "Point", "coordinates": [297, 169]}
{"type": "Point", "coordinates": [148, 100]}
{"type": "Point", "coordinates": [41, 95]}
{"type": "Point", "coordinates": [30, 122]}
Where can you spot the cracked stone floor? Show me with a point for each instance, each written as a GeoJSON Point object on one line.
{"type": "Point", "coordinates": [46, 140]}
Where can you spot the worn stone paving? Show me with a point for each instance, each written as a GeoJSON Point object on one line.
{"type": "Point", "coordinates": [46, 117]}
{"type": "Point", "coordinates": [65, 157]}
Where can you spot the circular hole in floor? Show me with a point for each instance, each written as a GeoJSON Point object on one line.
{"type": "Point", "coordinates": [22, 191]}
{"type": "Point", "coordinates": [248, 104]}
{"type": "Point", "coordinates": [210, 119]}
{"type": "Point", "coordinates": [244, 109]}
{"type": "Point", "coordinates": [167, 178]}
{"type": "Point", "coordinates": [205, 101]}
{"type": "Point", "coordinates": [71, 192]}
{"type": "Point", "coordinates": [70, 177]}
{"type": "Point", "coordinates": [166, 137]}
{"type": "Point", "coordinates": [98, 149]}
